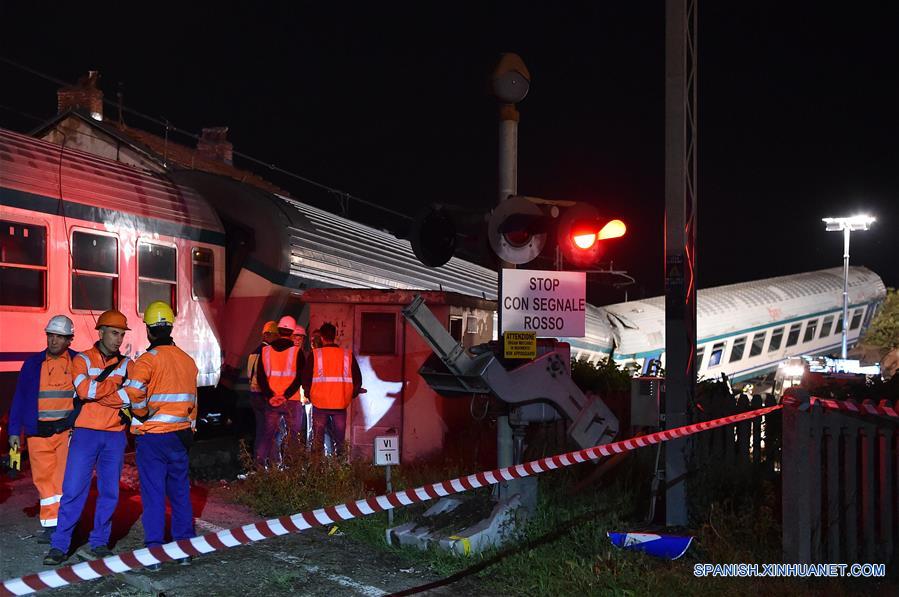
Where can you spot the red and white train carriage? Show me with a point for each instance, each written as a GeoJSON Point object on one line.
{"type": "Point", "coordinates": [80, 234]}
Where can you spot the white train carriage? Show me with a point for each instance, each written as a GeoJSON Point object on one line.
{"type": "Point", "coordinates": [80, 234]}
{"type": "Point", "coordinates": [746, 329]}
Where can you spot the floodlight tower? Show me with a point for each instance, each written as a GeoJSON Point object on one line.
{"type": "Point", "coordinates": [847, 225]}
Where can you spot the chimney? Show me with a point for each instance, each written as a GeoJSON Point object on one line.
{"type": "Point", "coordinates": [214, 145]}
{"type": "Point", "coordinates": [84, 95]}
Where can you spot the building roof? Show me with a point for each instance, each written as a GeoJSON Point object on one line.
{"type": "Point", "coordinates": [165, 152]}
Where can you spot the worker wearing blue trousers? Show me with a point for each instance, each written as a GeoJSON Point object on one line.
{"type": "Point", "coordinates": [162, 387]}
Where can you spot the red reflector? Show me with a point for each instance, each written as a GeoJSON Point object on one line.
{"type": "Point", "coordinates": [517, 238]}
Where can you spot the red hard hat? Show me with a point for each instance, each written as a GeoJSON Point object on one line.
{"type": "Point", "coordinates": [114, 319]}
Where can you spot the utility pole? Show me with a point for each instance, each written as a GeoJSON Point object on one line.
{"type": "Point", "coordinates": [680, 240]}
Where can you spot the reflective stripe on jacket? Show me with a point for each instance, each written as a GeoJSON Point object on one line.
{"type": "Point", "coordinates": [56, 393]}
{"type": "Point", "coordinates": [332, 378]}
{"type": "Point", "coordinates": [162, 385]}
{"type": "Point", "coordinates": [102, 400]}
{"type": "Point", "coordinates": [280, 370]}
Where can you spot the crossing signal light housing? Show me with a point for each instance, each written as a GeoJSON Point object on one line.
{"type": "Point", "coordinates": [516, 230]}
{"type": "Point", "coordinates": [580, 232]}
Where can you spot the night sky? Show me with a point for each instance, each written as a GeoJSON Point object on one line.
{"type": "Point", "coordinates": [798, 108]}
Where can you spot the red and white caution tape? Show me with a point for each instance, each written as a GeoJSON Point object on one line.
{"type": "Point", "coordinates": [884, 408]}
{"type": "Point", "coordinates": [300, 522]}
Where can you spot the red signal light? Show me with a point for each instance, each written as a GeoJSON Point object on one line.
{"type": "Point", "coordinates": [580, 234]}
{"type": "Point", "coordinates": [584, 240]}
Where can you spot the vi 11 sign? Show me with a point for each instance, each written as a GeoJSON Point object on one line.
{"type": "Point", "coordinates": [387, 450]}
{"type": "Point", "coordinates": [546, 302]}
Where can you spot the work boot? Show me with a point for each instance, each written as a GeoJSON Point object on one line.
{"type": "Point", "coordinates": [94, 553]}
{"type": "Point", "coordinates": [44, 536]}
{"type": "Point", "coordinates": [54, 557]}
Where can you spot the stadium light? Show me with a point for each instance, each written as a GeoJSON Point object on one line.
{"type": "Point", "coordinates": [847, 225]}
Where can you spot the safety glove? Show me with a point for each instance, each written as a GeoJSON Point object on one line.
{"type": "Point", "coordinates": [125, 416]}
{"type": "Point", "coordinates": [15, 458]}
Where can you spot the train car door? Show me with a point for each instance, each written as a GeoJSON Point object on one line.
{"type": "Point", "coordinates": [378, 344]}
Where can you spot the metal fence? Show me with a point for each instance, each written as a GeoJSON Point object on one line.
{"type": "Point", "coordinates": [840, 471]}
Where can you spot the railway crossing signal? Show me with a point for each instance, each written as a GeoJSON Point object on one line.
{"type": "Point", "coordinates": [518, 230]}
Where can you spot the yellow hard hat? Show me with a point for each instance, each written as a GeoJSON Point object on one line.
{"type": "Point", "coordinates": [270, 327]}
{"type": "Point", "coordinates": [159, 313]}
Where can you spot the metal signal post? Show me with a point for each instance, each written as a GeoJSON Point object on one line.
{"type": "Point", "coordinates": [680, 240]}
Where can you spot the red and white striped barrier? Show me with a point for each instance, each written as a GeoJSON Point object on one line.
{"type": "Point", "coordinates": [300, 522]}
{"type": "Point", "coordinates": [883, 409]}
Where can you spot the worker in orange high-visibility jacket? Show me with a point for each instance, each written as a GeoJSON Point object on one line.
{"type": "Point", "coordinates": [331, 379]}
{"type": "Point", "coordinates": [258, 402]}
{"type": "Point", "coordinates": [162, 386]}
{"type": "Point", "coordinates": [279, 381]}
{"type": "Point", "coordinates": [98, 440]}
{"type": "Point", "coordinates": [43, 407]}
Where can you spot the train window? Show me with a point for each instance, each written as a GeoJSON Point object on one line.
{"type": "Point", "coordinates": [700, 353]}
{"type": "Point", "coordinates": [23, 264]}
{"type": "Point", "coordinates": [825, 327]}
{"type": "Point", "coordinates": [810, 330]}
{"type": "Point", "coordinates": [758, 342]}
{"type": "Point", "coordinates": [202, 271]}
{"type": "Point", "coordinates": [156, 275]}
{"type": "Point", "coordinates": [856, 319]}
{"type": "Point", "coordinates": [793, 336]}
{"type": "Point", "coordinates": [869, 314]}
{"type": "Point", "coordinates": [95, 273]}
{"type": "Point", "coordinates": [715, 355]}
{"type": "Point", "coordinates": [776, 337]}
{"type": "Point", "coordinates": [736, 353]}
{"type": "Point", "coordinates": [839, 327]}
{"type": "Point", "coordinates": [378, 333]}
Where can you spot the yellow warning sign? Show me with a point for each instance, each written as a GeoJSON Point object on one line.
{"type": "Point", "coordinates": [520, 345]}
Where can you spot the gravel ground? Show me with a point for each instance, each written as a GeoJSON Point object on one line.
{"type": "Point", "coordinates": [310, 563]}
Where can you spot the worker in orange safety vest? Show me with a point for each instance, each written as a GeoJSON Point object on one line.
{"type": "Point", "coordinates": [279, 380]}
{"type": "Point", "coordinates": [98, 440]}
{"type": "Point", "coordinates": [331, 379]}
{"type": "Point", "coordinates": [43, 407]}
{"type": "Point", "coordinates": [162, 387]}
{"type": "Point", "coordinates": [258, 403]}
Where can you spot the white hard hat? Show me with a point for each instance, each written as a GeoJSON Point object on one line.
{"type": "Point", "coordinates": [60, 324]}
{"type": "Point", "coordinates": [287, 322]}
{"type": "Point", "coordinates": [299, 330]}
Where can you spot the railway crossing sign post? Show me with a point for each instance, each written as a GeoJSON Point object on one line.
{"type": "Point", "coordinates": [387, 453]}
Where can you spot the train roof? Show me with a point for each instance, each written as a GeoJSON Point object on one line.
{"type": "Point", "coordinates": [344, 253]}
{"type": "Point", "coordinates": [36, 174]}
{"type": "Point", "coordinates": [759, 303]}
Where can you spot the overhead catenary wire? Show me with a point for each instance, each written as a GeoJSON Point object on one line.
{"type": "Point", "coordinates": [169, 127]}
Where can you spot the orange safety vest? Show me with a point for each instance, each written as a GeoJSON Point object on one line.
{"type": "Point", "coordinates": [280, 369]}
{"type": "Point", "coordinates": [55, 396]}
{"type": "Point", "coordinates": [162, 386]}
{"type": "Point", "coordinates": [102, 399]}
{"type": "Point", "coordinates": [332, 378]}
